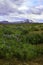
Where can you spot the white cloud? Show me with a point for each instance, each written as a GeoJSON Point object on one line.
{"type": "Point", "coordinates": [39, 7]}
{"type": "Point", "coordinates": [11, 9]}
{"type": "Point", "coordinates": [35, 18]}
{"type": "Point", "coordinates": [23, 8]}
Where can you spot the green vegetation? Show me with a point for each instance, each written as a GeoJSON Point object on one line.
{"type": "Point", "coordinates": [21, 41]}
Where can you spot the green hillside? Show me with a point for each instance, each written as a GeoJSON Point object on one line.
{"type": "Point", "coordinates": [22, 42]}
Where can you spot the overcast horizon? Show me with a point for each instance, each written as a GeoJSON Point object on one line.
{"type": "Point", "coordinates": [12, 10]}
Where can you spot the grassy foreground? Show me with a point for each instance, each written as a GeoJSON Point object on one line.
{"type": "Point", "coordinates": [21, 44]}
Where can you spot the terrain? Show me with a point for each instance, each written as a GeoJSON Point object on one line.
{"type": "Point", "coordinates": [21, 44]}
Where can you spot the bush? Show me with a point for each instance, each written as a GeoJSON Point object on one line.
{"type": "Point", "coordinates": [21, 43]}
{"type": "Point", "coordinates": [35, 38]}
{"type": "Point", "coordinates": [35, 28]}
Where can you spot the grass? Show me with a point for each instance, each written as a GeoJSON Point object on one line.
{"type": "Point", "coordinates": [23, 42]}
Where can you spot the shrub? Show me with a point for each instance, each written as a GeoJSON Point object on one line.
{"type": "Point", "coordinates": [22, 43]}
{"type": "Point", "coordinates": [35, 38]}
{"type": "Point", "coordinates": [35, 28]}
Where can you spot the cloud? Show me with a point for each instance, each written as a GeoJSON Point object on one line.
{"type": "Point", "coordinates": [6, 6]}
{"type": "Point", "coordinates": [35, 18]}
{"type": "Point", "coordinates": [20, 9]}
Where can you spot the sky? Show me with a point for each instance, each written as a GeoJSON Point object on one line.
{"type": "Point", "coordinates": [15, 10]}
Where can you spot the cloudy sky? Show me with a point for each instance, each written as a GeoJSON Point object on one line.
{"type": "Point", "coordinates": [14, 10]}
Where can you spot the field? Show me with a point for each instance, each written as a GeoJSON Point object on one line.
{"type": "Point", "coordinates": [21, 44]}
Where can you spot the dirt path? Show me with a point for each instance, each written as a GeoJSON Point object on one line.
{"type": "Point", "coordinates": [37, 61]}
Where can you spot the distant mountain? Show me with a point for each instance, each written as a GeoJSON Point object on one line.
{"type": "Point", "coordinates": [4, 22]}
{"type": "Point", "coordinates": [28, 21]}
{"type": "Point", "coordinates": [22, 21]}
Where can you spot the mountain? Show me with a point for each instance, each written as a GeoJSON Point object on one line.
{"type": "Point", "coordinates": [22, 21]}
{"type": "Point", "coordinates": [28, 21]}
{"type": "Point", "coordinates": [4, 22]}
